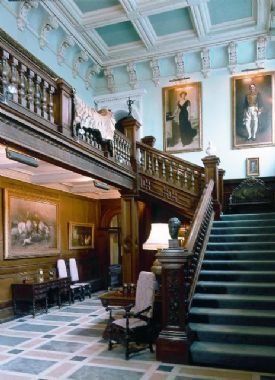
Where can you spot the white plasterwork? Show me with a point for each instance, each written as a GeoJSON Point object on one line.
{"type": "Point", "coordinates": [24, 8]}
{"type": "Point", "coordinates": [80, 58]}
{"type": "Point", "coordinates": [261, 51]}
{"type": "Point", "coordinates": [90, 73]}
{"type": "Point", "coordinates": [66, 43]}
{"type": "Point", "coordinates": [232, 57]}
{"type": "Point", "coordinates": [49, 24]}
{"type": "Point", "coordinates": [154, 64]}
{"type": "Point", "coordinates": [131, 69]}
{"type": "Point", "coordinates": [110, 79]}
{"type": "Point", "coordinates": [205, 62]}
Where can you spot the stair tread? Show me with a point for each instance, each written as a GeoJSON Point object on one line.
{"type": "Point", "coordinates": [236, 329]}
{"type": "Point", "coordinates": [236, 283]}
{"type": "Point", "coordinates": [233, 297]}
{"type": "Point", "coordinates": [235, 349]}
{"type": "Point", "coordinates": [231, 312]}
{"type": "Point", "coordinates": [243, 235]}
{"type": "Point", "coordinates": [239, 261]}
{"type": "Point", "coordinates": [237, 271]}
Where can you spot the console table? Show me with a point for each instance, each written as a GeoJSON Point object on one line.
{"type": "Point", "coordinates": [27, 294]}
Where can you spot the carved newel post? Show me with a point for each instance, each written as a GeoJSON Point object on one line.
{"type": "Point", "coordinates": [172, 343]}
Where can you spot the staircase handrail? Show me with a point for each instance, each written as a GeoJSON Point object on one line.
{"type": "Point", "coordinates": [199, 215]}
{"type": "Point", "coordinates": [198, 237]}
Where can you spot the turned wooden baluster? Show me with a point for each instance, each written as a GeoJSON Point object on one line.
{"type": "Point", "coordinates": [50, 104]}
{"type": "Point", "coordinates": [30, 90]}
{"type": "Point", "coordinates": [157, 166]}
{"type": "Point", "coordinates": [142, 161]}
{"type": "Point", "coordinates": [44, 99]}
{"type": "Point", "coordinates": [4, 69]}
{"type": "Point", "coordinates": [21, 85]}
{"type": "Point", "coordinates": [37, 95]}
{"type": "Point", "coordinates": [163, 169]}
{"type": "Point", "coordinates": [14, 77]}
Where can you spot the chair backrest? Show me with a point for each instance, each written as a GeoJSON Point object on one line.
{"type": "Point", "coordinates": [61, 268]}
{"type": "Point", "coordinates": [145, 292]}
{"type": "Point", "coordinates": [73, 270]}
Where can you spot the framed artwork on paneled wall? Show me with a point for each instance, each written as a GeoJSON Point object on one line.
{"type": "Point", "coordinates": [31, 225]}
{"type": "Point", "coordinates": [252, 167]}
{"type": "Point", "coordinates": [182, 125]}
{"type": "Point", "coordinates": [81, 235]}
{"type": "Point", "coordinates": [253, 110]}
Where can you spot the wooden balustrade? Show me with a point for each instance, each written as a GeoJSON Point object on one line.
{"type": "Point", "coordinates": [26, 85]}
{"type": "Point", "coordinates": [122, 149]}
{"type": "Point", "coordinates": [172, 170]}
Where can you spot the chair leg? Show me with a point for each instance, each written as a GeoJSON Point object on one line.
{"type": "Point", "coordinates": [151, 347]}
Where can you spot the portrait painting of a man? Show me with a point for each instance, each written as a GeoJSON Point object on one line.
{"type": "Point", "coordinates": [253, 123]}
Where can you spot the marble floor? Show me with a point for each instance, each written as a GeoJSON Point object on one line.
{"type": "Point", "coordinates": [67, 343]}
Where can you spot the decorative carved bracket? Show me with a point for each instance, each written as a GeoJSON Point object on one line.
{"type": "Point", "coordinates": [232, 57]}
{"type": "Point", "coordinates": [108, 72]}
{"type": "Point", "coordinates": [24, 8]}
{"type": "Point", "coordinates": [205, 62]}
{"type": "Point", "coordinates": [80, 58]}
{"type": "Point", "coordinates": [154, 64]}
{"type": "Point", "coordinates": [49, 24]}
{"type": "Point", "coordinates": [131, 69]}
{"type": "Point", "coordinates": [66, 43]}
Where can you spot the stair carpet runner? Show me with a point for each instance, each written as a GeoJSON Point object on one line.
{"type": "Point", "coordinates": [232, 316]}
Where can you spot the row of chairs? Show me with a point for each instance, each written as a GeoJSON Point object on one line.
{"type": "Point", "coordinates": [77, 289]}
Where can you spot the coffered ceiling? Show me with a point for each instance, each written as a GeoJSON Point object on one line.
{"type": "Point", "coordinates": [113, 32]}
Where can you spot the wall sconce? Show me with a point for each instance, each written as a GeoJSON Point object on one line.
{"type": "Point", "coordinates": [8, 92]}
{"type": "Point", "coordinates": [22, 158]}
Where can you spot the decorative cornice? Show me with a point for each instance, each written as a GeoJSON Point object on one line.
{"type": "Point", "coordinates": [79, 58]}
{"type": "Point", "coordinates": [25, 7]}
{"type": "Point", "coordinates": [232, 57]}
{"type": "Point", "coordinates": [205, 62]}
{"type": "Point", "coordinates": [179, 65]}
{"type": "Point", "coordinates": [154, 64]}
{"type": "Point", "coordinates": [49, 24]}
{"type": "Point", "coordinates": [90, 73]}
{"type": "Point", "coordinates": [66, 43]}
{"type": "Point", "coordinates": [261, 51]}
{"type": "Point", "coordinates": [131, 69]}
{"type": "Point", "coordinates": [108, 72]}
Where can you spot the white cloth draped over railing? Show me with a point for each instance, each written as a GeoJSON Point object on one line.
{"type": "Point", "coordinates": [88, 117]}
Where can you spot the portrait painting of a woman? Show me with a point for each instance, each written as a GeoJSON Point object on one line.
{"type": "Point", "coordinates": [182, 118]}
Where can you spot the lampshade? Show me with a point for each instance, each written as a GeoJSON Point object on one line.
{"type": "Point", "coordinates": [158, 238]}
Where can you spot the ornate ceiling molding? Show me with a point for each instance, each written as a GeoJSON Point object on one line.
{"type": "Point", "coordinates": [24, 8]}
{"type": "Point", "coordinates": [48, 25]}
{"type": "Point", "coordinates": [79, 58]}
{"type": "Point", "coordinates": [66, 43]}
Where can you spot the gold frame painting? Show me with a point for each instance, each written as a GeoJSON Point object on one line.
{"type": "Point", "coordinates": [253, 110]}
{"type": "Point", "coordinates": [31, 225]}
{"type": "Point", "coordinates": [81, 235]}
{"type": "Point", "coordinates": [182, 121]}
{"type": "Point", "coordinates": [252, 167]}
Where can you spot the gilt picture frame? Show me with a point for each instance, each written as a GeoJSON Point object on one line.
{"type": "Point", "coordinates": [182, 120]}
{"type": "Point", "coordinates": [252, 167]}
{"type": "Point", "coordinates": [81, 235]}
{"type": "Point", "coordinates": [253, 110]}
{"type": "Point", "coordinates": [31, 225]}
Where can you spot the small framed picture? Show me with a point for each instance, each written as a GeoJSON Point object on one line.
{"type": "Point", "coordinates": [81, 235]}
{"type": "Point", "coordinates": [252, 167]}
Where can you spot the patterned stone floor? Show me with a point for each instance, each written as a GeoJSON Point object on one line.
{"type": "Point", "coordinates": [67, 343]}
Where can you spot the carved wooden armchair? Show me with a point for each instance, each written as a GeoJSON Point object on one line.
{"type": "Point", "coordinates": [76, 291]}
{"type": "Point", "coordinates": [137, 325]}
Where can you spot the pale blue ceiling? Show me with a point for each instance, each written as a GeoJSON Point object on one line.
{"type": "Point", "coordinates": [229, 10]}
{"type": "Point", "coordinates": [121, 33]}
{"type": "Point", "coordinates": [94, 5]}
{"type": "Point", "coordinates": [171, 22]}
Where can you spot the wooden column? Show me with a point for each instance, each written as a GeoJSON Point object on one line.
{"type": "Point", "coordinates": [63, 107]}
{"type": "Point", "coordinates": [129, 237]}
{"type": "Point", "coordinates": [172, 343]}
{"type": "Point", "coordinates": [130, 127]}
{"type": "Point", "coordinates": [211, 164]}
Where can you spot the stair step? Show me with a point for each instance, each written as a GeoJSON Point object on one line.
{"type": "Point", "coordinates": [246, 317]}
{"type": "Point", "coordinates": [239, 264]}
{"type": "Point", "coordinates": [244, 223]}
{"type": "Point", "coordinates": [234, 301]}
{"type": "Point", "coordinates": [239, 275]}
{"type": "Point", "coordinates": [233, 254]}
{"type": "Point", "coordinates": [259, 216]}
{"type": "Point", "coordinates": [240, 246]}
{"type": "Point", "coordinates": [233, 334]}
{"type": "Point", "coordinates": [255, 230]}
{"type": "Point", "coordinates": [240, 356]}
{"type": "Point", "coordinates": [243, 238]}
{"type": "Point", "coordinates": [237, 287]}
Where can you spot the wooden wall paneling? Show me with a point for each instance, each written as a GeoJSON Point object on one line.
{"type": "Point", "coordinates": [71, 207]}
